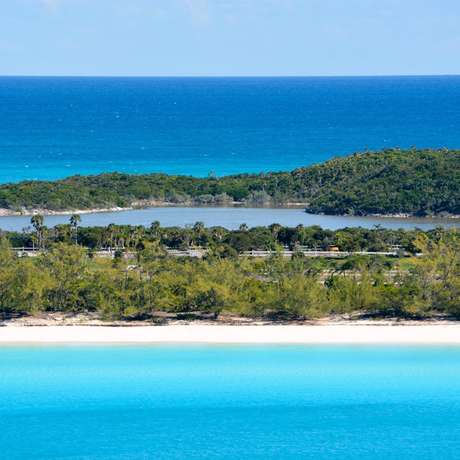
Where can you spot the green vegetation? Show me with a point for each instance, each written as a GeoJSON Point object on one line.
{"type": "Point", "coordinates": [143, 282]}
{"type": "Point", "coordinates": [219, 240]}
{"type": "Point", "coordinates": [416, 182]}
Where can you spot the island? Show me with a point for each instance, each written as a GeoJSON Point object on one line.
{"type": "Point", "coordinates": [392, 182]}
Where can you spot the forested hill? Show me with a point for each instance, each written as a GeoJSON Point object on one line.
{"type": "Point", "coordinates": [417, 182]}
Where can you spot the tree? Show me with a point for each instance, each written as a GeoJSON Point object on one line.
{"type": "Point", "coordinates": [437, 273]}
{"type": "Point", "coordinates": [155, 229]}
{"type": "Point", "coordinates": [6, 254]}
{"type": "Point", "coordinates": [198, 227]}
{"type": "Point", "coordinates": [68, 267]}
{"type": "Point", "coordinates": [75, 219]}
{"type": "Point", "coordinates": [198, 233]}
{"type": "Point", "coordinates": [37, 222]}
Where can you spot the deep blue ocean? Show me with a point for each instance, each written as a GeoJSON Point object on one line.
{"type": "Point", "coordinates": [228, 403]}
{"type": "Point", "coordinates": [55, 127]}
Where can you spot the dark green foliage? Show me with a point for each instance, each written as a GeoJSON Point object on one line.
{"type": "Point", "coordinates": [66, 279]}
{"type": "Point", "coordinates": [142, 280]}
{"type": "Point", "coordinates": [418, 182]}
{"type": "Point", "coordinates": [223, 241]}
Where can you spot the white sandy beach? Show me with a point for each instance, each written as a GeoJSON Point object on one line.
{"type": "Point", "coordinates": [224, 334]}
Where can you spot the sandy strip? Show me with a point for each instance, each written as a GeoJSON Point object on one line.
{"type": "Point", "coordinates": [330, 334]}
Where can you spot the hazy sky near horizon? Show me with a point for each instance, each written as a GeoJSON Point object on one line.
{"type": "Point", "coordinates": [229, 37]}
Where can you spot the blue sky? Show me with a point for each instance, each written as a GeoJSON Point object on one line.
{"type": "Point", "coordinates": [229, 37]}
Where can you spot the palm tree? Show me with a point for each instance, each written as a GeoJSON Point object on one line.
{"type": "Point", "coordinates": [111, 234]}
{"type": "Point", "coordinates": [198, 227]}
{"type": "Point", "coordinates": [155, 229]}
{"type": "Point", "coordinates": [75, 219]}
{"type": "Point", "coordinates": [37, 223]}
{"type": "Point", "coordinates": [198, 230]}
{"type": "Point", "coordinates": [218, 233]}
{"type": "Point", "coordinates": [275, 229]}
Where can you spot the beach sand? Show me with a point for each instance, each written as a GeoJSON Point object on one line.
{"type": "Point", "coordinates": [225, 334]}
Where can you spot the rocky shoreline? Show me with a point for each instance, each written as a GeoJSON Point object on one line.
{"type": "Point", "coordinates": [5, 212]}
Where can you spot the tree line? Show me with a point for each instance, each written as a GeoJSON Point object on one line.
{"type": "Point", "coordinates": [67, 278]}
{"type": "Point", "coordinates": [393, 181]}
{"type": "Point", "coordinates": [221, 240]}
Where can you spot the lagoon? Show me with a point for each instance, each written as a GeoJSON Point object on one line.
{"type": "Point", "coordinates": [226, 402]}
{"type": "Point", "coordinates": [230, 218]}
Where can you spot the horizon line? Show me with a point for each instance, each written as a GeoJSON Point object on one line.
{"type": "Point", "coordinates": [228, 76]}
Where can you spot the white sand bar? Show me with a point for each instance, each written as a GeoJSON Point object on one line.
{"type": "Point", "coordinates": [277, 334]}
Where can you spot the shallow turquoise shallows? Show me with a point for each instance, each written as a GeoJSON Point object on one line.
{"type": "Point", "coordinates": [240, 402]}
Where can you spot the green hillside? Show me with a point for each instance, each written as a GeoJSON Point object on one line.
{"type": "Point", "coordinates": [417, 182]}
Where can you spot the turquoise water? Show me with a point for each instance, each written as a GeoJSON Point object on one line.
{"type": "Point", "coordinates": [240, 402]}
{"type": "Point", "coordinates": [230, 218]}
{"type": "Point", "coordinates": [55, 127]}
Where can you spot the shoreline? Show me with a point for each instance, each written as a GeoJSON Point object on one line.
{"type": "Point", "coordinates": [331, 334]}
{"type": "Point", "coordinates": [5, 212]}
